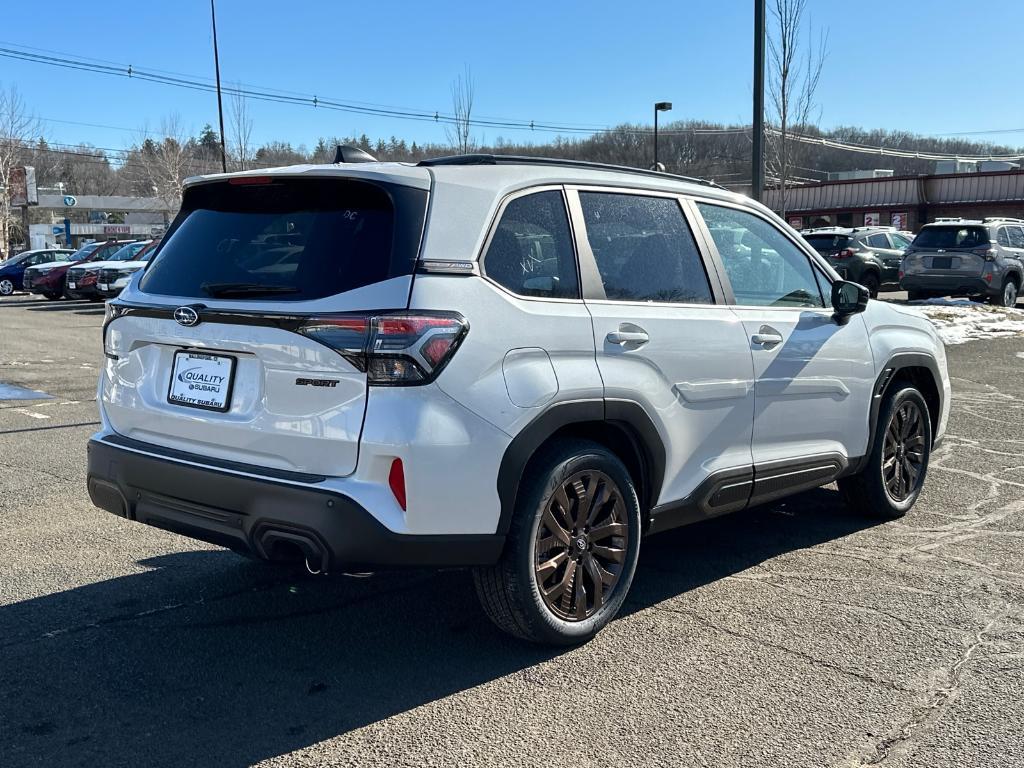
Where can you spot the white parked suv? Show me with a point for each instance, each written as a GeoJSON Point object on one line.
{"type": "Point", "coordinates": [518, 365]}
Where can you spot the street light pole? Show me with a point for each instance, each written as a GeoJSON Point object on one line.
{"type": "Point", "coordinates": [220, 101]}
{"type": "Point", "coordinates": [757, 172]}
{"type": "Point", "coordinates": [661, 106]}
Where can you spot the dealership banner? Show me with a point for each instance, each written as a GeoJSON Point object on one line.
{"type": "Point", "coordinates": [22, 187]}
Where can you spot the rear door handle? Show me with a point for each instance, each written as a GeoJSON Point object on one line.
{"type": "Point", "coordinates": [766, 337]}
{"type": "Point", "coordinates": [625, 337]}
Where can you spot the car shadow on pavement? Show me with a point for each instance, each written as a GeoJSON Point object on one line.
{"type": "Point", "coordinates": [206, 658]}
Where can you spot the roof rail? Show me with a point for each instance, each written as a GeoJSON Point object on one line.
{"type": "Point", "coordinates": [988, 219]}
{"type": "Point", "coordinates": [488, 159]}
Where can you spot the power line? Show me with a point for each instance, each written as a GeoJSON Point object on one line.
{"type": "Point", "coordinates": [264, 94]}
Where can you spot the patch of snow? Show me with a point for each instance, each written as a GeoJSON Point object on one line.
{"type": "Point", "coordinates": [961, 320]}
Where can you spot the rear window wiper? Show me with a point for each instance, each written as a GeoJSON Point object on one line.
{"type": "Point", "coordinates": [220, 290]}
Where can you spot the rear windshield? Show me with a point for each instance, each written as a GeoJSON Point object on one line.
{"type": "Point", "coordinates": [954, 236]}
{"type": "Point", "coordinates": [827, 243]}
{"type": "Point", "coordinates": [287, 240]}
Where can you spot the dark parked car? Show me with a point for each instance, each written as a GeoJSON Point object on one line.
{"type": "Point", "coordinates": [961, 257]}
{"type": "Point", "coordinates": [13, 270]}
{"type": "Point", "coordinates": [870, 256]}
{"type": "Point", "coordinates": [48, 279]}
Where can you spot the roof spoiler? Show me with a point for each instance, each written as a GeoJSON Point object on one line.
{"type": "Point", "coordinates": [346, 153]}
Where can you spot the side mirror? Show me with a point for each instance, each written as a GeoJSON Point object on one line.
{"type": "Point", "coordinates": [848, 299]}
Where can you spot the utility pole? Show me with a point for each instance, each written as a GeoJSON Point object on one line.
{"type": "Point", "coordinates": [220, 101]}
{"type": "Point", "coordinates": [757, 172]}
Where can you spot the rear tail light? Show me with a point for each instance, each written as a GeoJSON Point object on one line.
{"type": "Point", "coordinates": [398, 349]}
{"type": "Point", "coordinates": [845, 253]}
{"type": "Point", "coordinates": [989, 254]}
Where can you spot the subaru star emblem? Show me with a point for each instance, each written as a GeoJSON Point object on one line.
{"type": "Point", "coordinates": [186, 316]}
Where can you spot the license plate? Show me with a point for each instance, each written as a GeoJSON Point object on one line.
{"type": "Point", "coordinates": [71, 286]}
{"type": "Point", "coordinates": [102, 286]}
{"type": "Point", "coordinates": [942, 262]}
{"type": "Point", "coordinates": [199, 380]}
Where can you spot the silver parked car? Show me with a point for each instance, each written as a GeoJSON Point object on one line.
{"type": "Point", "coordinates": [962, 257]}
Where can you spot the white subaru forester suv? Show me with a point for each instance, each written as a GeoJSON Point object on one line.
{"type": "Point", "coordinates": [518, 365]}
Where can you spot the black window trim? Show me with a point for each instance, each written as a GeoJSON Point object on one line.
{"type": "Point", "coordinates": [816, 259]}
{"type": "Point", "coordinates": [590, 276]}
{"type": "Point", "coordinates": [480, 262]}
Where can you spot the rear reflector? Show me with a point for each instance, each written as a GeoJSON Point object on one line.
{"type": "Point", "coordinates": [396, 479]}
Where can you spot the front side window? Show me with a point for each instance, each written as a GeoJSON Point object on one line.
{"type": "Point", "coordinates": [531, 251]}
{"type": "Point", "coordinates": [765, 267]}
{"type": "Point", "coordinates": [644, 249]}
{"type": "Point", "coordinates": [899, 242]}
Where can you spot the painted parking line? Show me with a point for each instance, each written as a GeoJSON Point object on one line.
{"type": "Point", "coordinates": [33, 414]}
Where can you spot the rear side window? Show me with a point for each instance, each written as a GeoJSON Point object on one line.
{"type": "Point", "coordinates": [1016, 237]}
{"type": "Point", "coordinates": [878, 241]}
{"type": "Point", "coordinates": [531, 251]}
{"type": "Point", "coordinates": [954, 236]}
{"type": "Point", "coordinates": [644, 249]}
{"type": "Point", "coordinates": [1003, 237]}
{"type": "Point", "coordinates": [287, 240]}
{"type": "Point", "coordinates": [828, 244]}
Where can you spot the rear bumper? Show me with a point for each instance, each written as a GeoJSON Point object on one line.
{"type": "Point", "coordinates": [269, 518]}
{"type": "Point", "coordinates": [957, 285]}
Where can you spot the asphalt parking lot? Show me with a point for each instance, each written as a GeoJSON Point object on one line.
{"type": "Point", "coordinates": [799, 634]}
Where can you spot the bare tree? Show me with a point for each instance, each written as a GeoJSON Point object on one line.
{"type": "Point", "coordinates": [18, 130]}
{"type": "Point", "coordinates": [793, 77]}
{"type": "Point", "coordinates": [241, 129]}
{"type": "Point", "coordinates": [459, 133]}
{"type": "Point", "coordinates": [166, 162]}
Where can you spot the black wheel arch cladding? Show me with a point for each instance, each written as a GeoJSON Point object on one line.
{"type": "Point", "coordinates": [613, 423]}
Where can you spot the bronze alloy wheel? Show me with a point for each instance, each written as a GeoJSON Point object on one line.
{"type": "Point", "coordinates": [580, 545]}
{"type": "Point", "coordinates": [903, 452]}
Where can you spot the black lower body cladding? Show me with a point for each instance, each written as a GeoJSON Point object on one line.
{"type": "Point", "coordinates": [267, 518]}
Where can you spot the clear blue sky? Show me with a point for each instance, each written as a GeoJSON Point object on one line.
{"type": "Point", "coordinates": [928, 66]}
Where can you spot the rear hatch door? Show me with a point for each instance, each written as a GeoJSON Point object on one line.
{"type": "Point", "coordinates": [204, 353]}
{"type": "Point", "coordinates": [953, 249]}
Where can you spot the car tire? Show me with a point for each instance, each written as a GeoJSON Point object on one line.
{"type": "Point", "coordinates": [53, 296]}
{"type": "Point", "coordinates": [871, 282]}
{"type": "Point", "coordinates": [1007, 294]}
{"type": "Point", "coordinates": [6, 287]}
{"type": "Point", "coordinates": [898, 462]}
{"type": "Point", "coordinates": [917, 295]}
{"type": "Point", "coordinates": [545, 586]}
